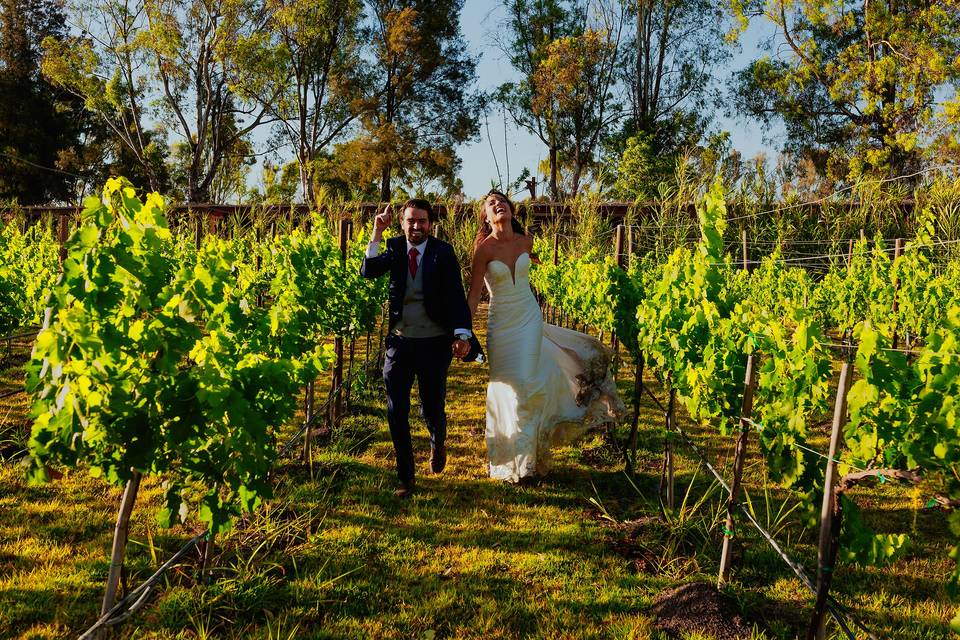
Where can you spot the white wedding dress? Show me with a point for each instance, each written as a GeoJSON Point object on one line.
{"type": "Point", "coordinates": [548, 385]}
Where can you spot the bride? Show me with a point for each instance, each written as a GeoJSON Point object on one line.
{"type": "Point", "coordinates": [548, 385]}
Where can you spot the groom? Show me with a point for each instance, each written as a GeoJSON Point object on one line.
{"type": "Point", "coordinates": [429, 324]}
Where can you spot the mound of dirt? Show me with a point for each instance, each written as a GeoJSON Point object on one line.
{"type": "Point", "coordinates": [699, 607]}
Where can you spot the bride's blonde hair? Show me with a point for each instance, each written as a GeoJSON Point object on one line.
{"type": "Point", "coordinates": [485, 229]}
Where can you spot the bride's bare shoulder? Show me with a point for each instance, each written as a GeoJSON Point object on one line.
{"type": "Point", "coordinates": [484, 250]}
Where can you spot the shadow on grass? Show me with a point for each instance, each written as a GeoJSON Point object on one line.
{"type": "Point", "coordinates": [25, 607]}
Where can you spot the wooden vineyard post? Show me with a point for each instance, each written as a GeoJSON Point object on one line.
{"type": "Point", "coordinates": [829, 526]}
{"type": "Point", "coordinates": [619, 255]}
{"type": "Point", "coordinates": [258, 231]}
{"type": "Point", "coordinates": [120, 534]}
{"type": "Point", "coordinates": [205, 548]}
{"type": "Point", "coordinates": [309, 398]}
{"type": "Point", "coordinates": [198, 230]}
{"type": "Point", "coordinates": [743, 241]}
{"type": "Point", "coordinates": [631, 453]}
{"type": "Point", "coordinates": [618, 248]}
{"type": "Point", "coordinates": [557, 318]}
{"type": "Point", "coordinates": [62, 234]}
{"type": "Point", "coordinates": [897, 252]}
{"type": "Point", "coordinates": [746, 413]}
{"type": "Point", "coordinates": [352, 350]}
{"type": "Point", "coordinates": [850, 254]}
{"type": "Point", "coordinates": [366, 354]}
{"type": "Point", "coordinates": [337, 383]}
{"type": "Point", "coordinates": [669, 456]}
{"type": "Point", "coordinates": [666, 477]}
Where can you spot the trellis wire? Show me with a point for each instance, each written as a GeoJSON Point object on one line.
{"type": "Point", "coordinates": [322, 410]}
{"type": "Point", "coordinates": [139, 595]}
{"type": "Point", "coordinates": [17, 336]}
{"type": "Point", "coordinates": [10, 394]}
{"type": "Point", "coordinates": [838, 611]}
{"type": "Point", "coordinates": [798, 205]}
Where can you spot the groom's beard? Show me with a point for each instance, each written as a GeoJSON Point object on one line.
{"type": "Point", "coordinates": [416, 237]}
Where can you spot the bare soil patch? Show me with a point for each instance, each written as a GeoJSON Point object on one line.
{"type": "Point", "coordinates": [698, 606]}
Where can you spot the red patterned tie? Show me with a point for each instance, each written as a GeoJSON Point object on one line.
{"type": "Point", "coordinates": [413, 262]}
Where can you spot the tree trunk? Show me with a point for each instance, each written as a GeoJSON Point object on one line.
{"type": "Point", "coordinates": [152, 177]}
{"type": "Point", "coordinates": [554, 188]}
{"type": "Point", "coordinates": [195, 191]}
{"type": "Point", "coordinates": [385, 184]}
{"type": "Point", "coordinates": [575, 180]}
{"type": "Point", "coordinates": [306, 180]}
{"type": "Point", "coordinates": [120, 534]}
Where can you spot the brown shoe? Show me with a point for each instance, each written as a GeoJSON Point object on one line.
{"type": "Point", "coordinates": [438, 458]}
{"type": "Point", "coordinates": [405, 489]}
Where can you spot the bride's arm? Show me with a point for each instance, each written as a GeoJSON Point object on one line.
{"type": "Point", "coordinates": [477, 270]}
{"type": "Point", "coordinates": [534, 258]}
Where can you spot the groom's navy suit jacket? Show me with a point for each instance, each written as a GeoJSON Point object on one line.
{"type": "Point", "coordinates": [443, 295]}
{"type": "Point", "coordinates": [426, 359]}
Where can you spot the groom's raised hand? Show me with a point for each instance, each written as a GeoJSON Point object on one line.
{"type": "Point", "coordinates": [381, 222]}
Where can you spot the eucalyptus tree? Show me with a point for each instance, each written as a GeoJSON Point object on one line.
{"type": "Point", "coordinates": [864, 89]}
{"type": "Point", "coordinates": [106, 68]}
{"type": "Point", "coordinates": [39, 123]}
{"type": "Point", "coordinates": [530, 28]}
{"type": "Point", "coordinates": [209, 56]}
{"type": "Point", "coordinates": [319, 48]}
{"type": "Point", "coordinates": [420, 102]}
{"type": "Point", "coordinates": [668, 69]}
{"type": "Point", "coordinates": [574, 87]}
{"type": "Point", "coordinates": [152, 68]}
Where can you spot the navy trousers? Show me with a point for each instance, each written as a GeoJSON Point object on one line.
{"type": "Point", "coordinates": [427, 360]}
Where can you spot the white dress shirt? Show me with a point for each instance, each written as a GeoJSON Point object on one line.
{"type": "Point", "coordinates": [374, 248]}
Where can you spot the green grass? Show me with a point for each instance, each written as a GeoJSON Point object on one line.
{"type": "Point", "coordinates": [336, 555]}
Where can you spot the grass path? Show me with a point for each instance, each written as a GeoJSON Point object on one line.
{"type": "Point", "coordinates": [336, 555]}
{"type": "Point", "coordinates": [467, 556]}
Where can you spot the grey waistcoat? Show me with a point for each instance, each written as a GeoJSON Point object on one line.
{"type": "Point", "coordinates": [415, 323]}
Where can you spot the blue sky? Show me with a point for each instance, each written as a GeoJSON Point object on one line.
{"type": "Point", "coordinates": [479, 21]}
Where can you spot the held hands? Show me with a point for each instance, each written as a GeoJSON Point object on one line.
{"type": "Point", "coordinates": [460, 348]}
{"type": "Point", "coordinates": [381, 222]}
